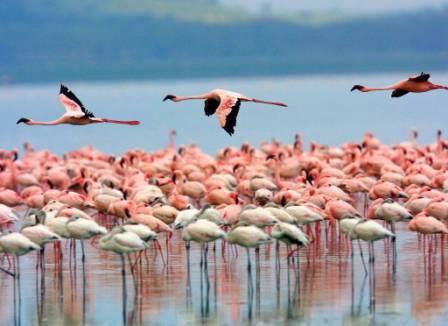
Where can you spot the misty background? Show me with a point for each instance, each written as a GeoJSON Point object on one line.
{"type": "Point", "coordinates": [52, 40]}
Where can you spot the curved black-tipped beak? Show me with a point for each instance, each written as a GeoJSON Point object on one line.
{"type": "Point", "coordinates": [403, 195]}
{"type": "Point", "coordinates": [270, 157]}
{"type": "Point", "coordinates": [22, 120]}
{"type": "Point", "coordinates": [169, 97]}
{"type": "Point", "coordinates": [356, 87]}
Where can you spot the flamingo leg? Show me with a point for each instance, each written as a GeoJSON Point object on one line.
{"type": "Point", "coordinates": [362, 257]}
{"type": "Point", "coordinates": [125, 295]}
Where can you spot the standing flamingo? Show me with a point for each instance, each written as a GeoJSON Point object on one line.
{"type": "Point", "coordinates": [370, 231]}
{"type": "Point", "coordinates": [122, 242]}
{"type": "Point", "coordinates": [76, 113]}
{"type": "Point", "coordinates": [414, 84]}
{"type": "Point", "coordinates": [225, 104]}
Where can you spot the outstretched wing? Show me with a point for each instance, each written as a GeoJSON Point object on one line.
{"type": "Point", "coordinates": [399, 93]}
{"type": "Point", "coordinates": [227, 113]}
{"type": "Point", "coordinates": [210, 106]}
{"type": "Point", "coordinates": [423, 77]}
{"type": "Point", "coordinates": [72, 104]}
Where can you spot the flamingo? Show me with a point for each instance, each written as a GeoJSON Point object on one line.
{"type": "Point", "coordinates": [185, 217]}
{"type": "Point", "coordinates": [289, 234]}
{"type": "Point", "coordinates": [248, 237]}
{"type": "Point", "coordinates": [122, 242]}
{"type": "Point", "coordinates": [18, 245]}
{"type": "Point", "coordinates": [211, 214]}
{"type": "Point", "coordinates": [76, 113]}
{"type": "Point", "coordinates": [280, 214]}
{"type": "Point", "coordinates": [202, 231]}
{"type": "Point", "coordinates": [426, 224]}
{"type": "Point", "coordinates": [414, 84]}
{"type": "Point", "coordinates": [7, 215]}
{"type": "Point", "coordinates": [82, 229]}
{"type": "Point", "coordinates": [225, 104]}
{"type": "Point", "coordinates": [40, 234]}
{"type": "Point", "coordinates": [257, 216]}
{"type": "Point", "coordinates": [370, 231]}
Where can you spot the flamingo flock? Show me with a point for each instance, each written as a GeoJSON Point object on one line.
{"type": "Point", "coordinates": [224, 103]}
{"type": "Point", "coordinates": [246, 197]}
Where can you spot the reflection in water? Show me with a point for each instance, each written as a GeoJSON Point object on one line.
{"type": "Point", "coordinates": [325, 282]}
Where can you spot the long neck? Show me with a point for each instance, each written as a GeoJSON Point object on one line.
{"type": "Point", "coordinates": [277, 178]}
{"type": "Point", "coordinates": [44, 123]}
{"type": "Point", "coordinates": [193, 97]}
{"type": "Point", "coordinates": [171, 141]}
{"type": "Point", "coordinates": [372, 89]}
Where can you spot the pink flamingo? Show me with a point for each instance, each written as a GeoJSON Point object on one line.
{"type": "Point", "coordinates": [225, 104]}
{"type": "Point", "coordinates": [414, 84]}
{"type": "Point", "coordinates": [76, 113]}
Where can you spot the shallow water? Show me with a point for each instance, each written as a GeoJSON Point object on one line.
{"type": "Point", "coordinates": [322, 108]}
{"type": "Point", "coordinates": [324, 288]}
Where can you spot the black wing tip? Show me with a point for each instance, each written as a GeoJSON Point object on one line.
{"type": "Point", "coordinates": [230, 125]}
{"type": "Point", "coordinates": [423, 77]}
{"type": "Point", "coordinates": [230, 131]}
{"type": "Point", "coordinates": [398, 93]}
{"type": "Point", "coordinates": [63, 89]}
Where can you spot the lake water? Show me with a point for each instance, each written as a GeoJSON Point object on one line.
{"type": "Point", "coordinates": [322, 108]}
{"type": "Point", "coordinates": [329, 289]}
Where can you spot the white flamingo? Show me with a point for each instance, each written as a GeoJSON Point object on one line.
{"type": "Point", "coordinates": [41, 235]}
{"type": "Point", "coordinates": [211, 214]}
{"type": "Point", "coordinates": [122, 243]}
{"type": "Point", "coordinates": [371, 231]}
{"type": "Point", "coordinates": [202, 231]}
{"type": "Point", "coordinates": [82, 229]}
{"type": "Point", "coordinates": [257, 216]}
{"type": "Point", "coordinates": [16, 244]}
{"type": "Point", "coordinates": [185, 217]}
{"type": "Point", "coordinates": [248, 236]}
{"type": "Point", "coordinates": [76, 113]}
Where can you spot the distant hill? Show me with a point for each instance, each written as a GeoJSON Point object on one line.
{"type": "Point", "coordinates": [342, 6]}
{"type": "Point", "coordinates": [52, 40]}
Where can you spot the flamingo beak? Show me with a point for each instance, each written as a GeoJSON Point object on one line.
{"type": "Point", "coordinates": [357, 87]}
{"type": "Point", "coordinates": [23, 120]}
{"type": "Point", "coordinates": [169, 97]}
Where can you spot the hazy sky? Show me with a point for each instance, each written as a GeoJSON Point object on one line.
{"type": "Point", "coordinates": [340, 5]}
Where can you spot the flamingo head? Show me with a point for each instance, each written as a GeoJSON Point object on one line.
{"type": "Point", "coordinates": [23, 120]}
{"type": "Point", "coordinates": [358, 88]}
{"type": "Point", "coordinates": [233, 196]}
{"type": "Point", "coordinates": [127, 213]}
{"type": "Point", "coordinates": [170, 97]}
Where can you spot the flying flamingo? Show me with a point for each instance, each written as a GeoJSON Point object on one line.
{"type": "Point", "coordinates": [76, 113]}
{"type": "Point", "coordinates": [225, 104]}
{"type": "Point", "coordinates": [414, 84]}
